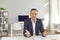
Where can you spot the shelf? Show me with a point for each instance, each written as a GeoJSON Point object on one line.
{"type": "Point", "coordinates": [4, 29]}
{"type": "Point", "coordinates": [3, 17]}
{"type": "Point", "coordinates": [3, 23]}
{"type": "Point", "coordinates": [0, 20]}
{"type": "Point", "coordinates": [0, 14]}
{"type": "Point", "coordinates": [0, 25]}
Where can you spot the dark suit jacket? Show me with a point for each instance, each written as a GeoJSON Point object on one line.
{"type": "Point", "coordinates": [28, 26]}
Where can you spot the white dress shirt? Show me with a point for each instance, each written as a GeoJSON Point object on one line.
{"type": "Point", "coordinates": [33, 24]}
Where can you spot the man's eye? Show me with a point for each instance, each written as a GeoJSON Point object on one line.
{"type": "Point", "coordinates": [32, 13]}
{"type": "Point", "coordinates": [35, 13]}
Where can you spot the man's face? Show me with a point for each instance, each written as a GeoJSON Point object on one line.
{"type": "Point", "coordinates": [33, 14]}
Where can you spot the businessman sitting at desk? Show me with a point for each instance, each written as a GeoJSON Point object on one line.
{"type": "Point", "coordinates": [33, 25]}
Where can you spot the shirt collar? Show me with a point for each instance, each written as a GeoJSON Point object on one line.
{"type": "Point", "coordinates": [33, 21]}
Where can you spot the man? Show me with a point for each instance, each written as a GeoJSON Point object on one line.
{"type": "Point", "coordinates": [33, 25]}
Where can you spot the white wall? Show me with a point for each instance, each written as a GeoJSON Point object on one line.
{"type": "Point", "coordinates": [0, 2]}
{"type": "Point", "coordinates": [20, 7]}
{"type": "Point", "coordinates": [59, 11]}
{"type": "Point", "coordinates": [54, 15]}
{"type": "Point", "coordinates": [54, 12]}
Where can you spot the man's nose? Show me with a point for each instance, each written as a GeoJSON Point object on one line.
{"type": "Point", "coordinates": [34, 15]}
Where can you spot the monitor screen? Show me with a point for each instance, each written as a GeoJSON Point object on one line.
{"type": "Point", "coordinates": [22, 17]}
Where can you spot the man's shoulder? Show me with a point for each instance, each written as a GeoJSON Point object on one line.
{"type": "Point", "coordinates": [27, 19]}
{"type": "Point", "coordinates": [39, 19]}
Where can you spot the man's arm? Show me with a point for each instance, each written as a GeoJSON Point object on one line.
{"type": "Point", "coordinates": [43, 32]}
{"type": "Point", "coordinates": [26, 33]}
{"type": "Point", "coordinates": [41, 28]}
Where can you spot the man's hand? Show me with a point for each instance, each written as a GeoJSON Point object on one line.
{"type": "Point", "coordinates": [27, 33]}
{"type": "Point", "coordinates": [45, 33]}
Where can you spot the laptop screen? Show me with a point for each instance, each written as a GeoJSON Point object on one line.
{"type": "Point", "coordinates": [22, 17]}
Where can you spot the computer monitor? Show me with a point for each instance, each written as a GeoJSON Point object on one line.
{"type": "Point", "coordinates": [22, 17]}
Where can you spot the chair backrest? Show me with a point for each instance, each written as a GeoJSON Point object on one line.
{"type": "Point", "coordinates": [16, 26]}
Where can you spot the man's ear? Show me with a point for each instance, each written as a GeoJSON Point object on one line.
{"type": "Point", "coordinates": [30, 14]}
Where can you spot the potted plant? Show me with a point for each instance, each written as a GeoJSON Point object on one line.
{"type": "Point", "coordinates": [1, 9]}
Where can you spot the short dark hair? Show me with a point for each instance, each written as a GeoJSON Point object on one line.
{"type": "Point", "coordinates": [33, 9]}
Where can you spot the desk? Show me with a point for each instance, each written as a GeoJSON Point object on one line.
{"type": "Point", "coordinates": [49, 37]}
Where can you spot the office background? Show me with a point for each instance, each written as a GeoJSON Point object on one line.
{"type": "Point", "coordinates": [22, 7]}
{"type": "Point", "coordinates": [48, 9]}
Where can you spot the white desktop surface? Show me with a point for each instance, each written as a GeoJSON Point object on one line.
{"type": "Point", "coordinates": [49, 37]}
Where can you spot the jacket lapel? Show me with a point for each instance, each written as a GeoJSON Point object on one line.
{"type": "Point", "coordinates": [31, 26]}
{"type": "Point", "coordinates": [36, 26]}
